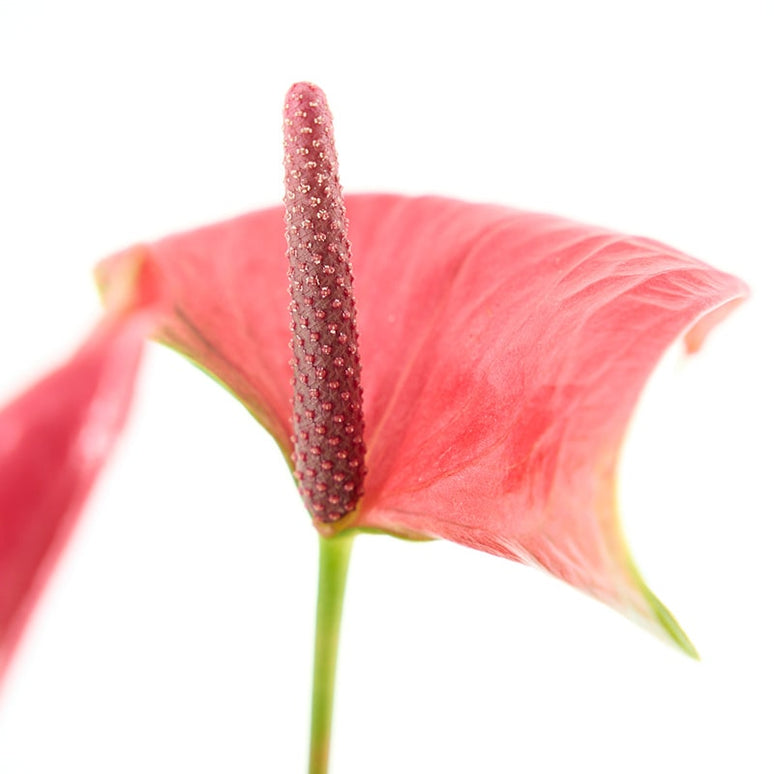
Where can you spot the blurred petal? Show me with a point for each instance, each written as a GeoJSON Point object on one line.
{"type": "Point", "coordinates": [502, 352]}
{"type": "Point", "coordinates": [54, 440]}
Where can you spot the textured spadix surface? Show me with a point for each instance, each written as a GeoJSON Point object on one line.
{"type": "Point", "coordinates": [502, 354]}
{"type": "Point", "coordinates": [328, 454]}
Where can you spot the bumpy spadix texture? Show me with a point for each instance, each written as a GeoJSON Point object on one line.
{"type": "Point", "coordinates": [328, 444]}
{"type": "Point", "coordinates": [502, 355]}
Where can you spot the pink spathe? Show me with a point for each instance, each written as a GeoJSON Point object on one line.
{"type": "Point", "coordinates": [502, 354]}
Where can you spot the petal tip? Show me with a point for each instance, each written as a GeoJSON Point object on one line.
{"type": "Point", "coordinates": [127, 281]}
{"type": "Point", "coordinates": [660, 620]}
{"type": "Point", "coordinates": [697, 334]}
{"type": "Point", "coordinates": [669, 626]}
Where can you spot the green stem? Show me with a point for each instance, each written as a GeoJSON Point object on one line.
{"type": "Point", "coordinates": [334, 561]}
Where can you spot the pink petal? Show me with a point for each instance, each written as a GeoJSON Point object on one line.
{"type": "Point", "coordinates": [54, 439]}
{"type": "Point", "coordinates": [502, 354]}
{"type": "Point", "coordinates": [505, 424]}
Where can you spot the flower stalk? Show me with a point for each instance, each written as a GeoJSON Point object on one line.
{"type": "Point", "coordinates": [334, 563]}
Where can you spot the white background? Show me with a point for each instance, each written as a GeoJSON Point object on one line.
{"type": "Point", "coordinates": [177, 633]}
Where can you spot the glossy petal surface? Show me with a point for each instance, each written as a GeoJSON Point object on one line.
{"type": "Point", "coordinates": [502, 355]}
{"type": "Point", "coordinates": [54, 440]}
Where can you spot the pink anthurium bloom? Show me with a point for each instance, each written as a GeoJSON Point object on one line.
{"type": "Point", "coordinates": [502, 353]}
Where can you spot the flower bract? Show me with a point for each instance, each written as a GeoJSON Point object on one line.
{"type": "Point", "coordinates": [501, 354]}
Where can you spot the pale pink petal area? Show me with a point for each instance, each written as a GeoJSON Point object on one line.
{"type": "Point", "coordinates": [502, 351]}
{"type": "Point", "coordinates": [54, 439]}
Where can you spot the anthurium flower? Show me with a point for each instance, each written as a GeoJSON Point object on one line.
{"type": "Point", "coordinates": [501, 354]}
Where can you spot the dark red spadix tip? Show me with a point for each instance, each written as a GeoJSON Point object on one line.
{"type": "Point", "coordinates": [328, 443]}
